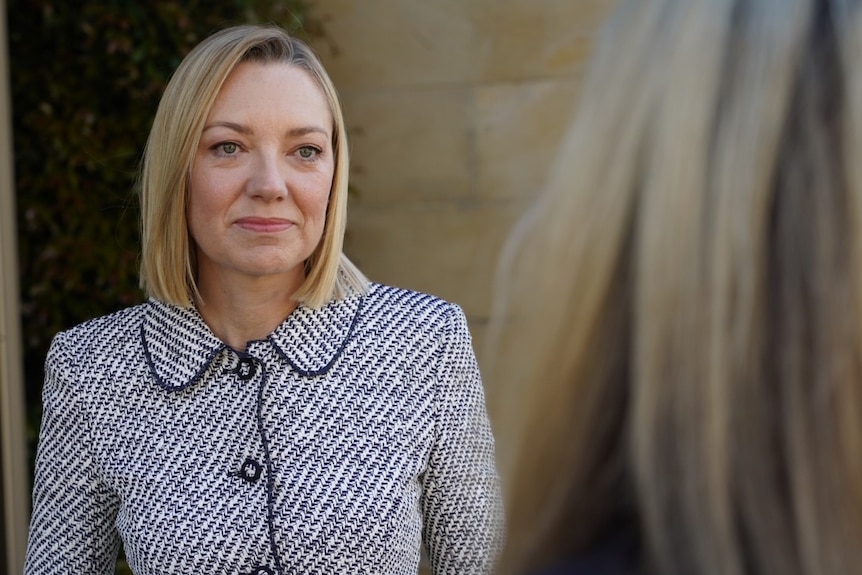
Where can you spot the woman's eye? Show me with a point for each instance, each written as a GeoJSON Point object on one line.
{"type": "Point", "coordinates": [228, 148]}
{"type": "Point", "coordinates": [308, 152]}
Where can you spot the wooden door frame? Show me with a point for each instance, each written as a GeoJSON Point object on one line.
{"type": "Point", "coordinates": [13, 443]}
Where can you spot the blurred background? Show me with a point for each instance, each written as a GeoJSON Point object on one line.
{"type": "Point", "coordinates": [454, 107]}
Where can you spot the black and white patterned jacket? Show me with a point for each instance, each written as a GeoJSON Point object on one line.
{"type": "Point", "coordinates": [336, 445]}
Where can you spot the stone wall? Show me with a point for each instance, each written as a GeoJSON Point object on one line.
{"type": "Point", "coordinates": [455, 109]}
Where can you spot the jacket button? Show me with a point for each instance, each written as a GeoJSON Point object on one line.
{"type": "Point", "coordinates": [246, 368]}
{"type": "Point", "coordinates": [250, 470]}
{"type": "Point", "coordinates": [260, 571]}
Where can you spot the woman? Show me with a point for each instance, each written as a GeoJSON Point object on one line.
{"type": "Point", "coordinates": [693, 304]}
{"type": "Point", "coordinates": [268, 410]}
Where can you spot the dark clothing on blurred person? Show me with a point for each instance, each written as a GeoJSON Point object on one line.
{"type": "Point", "coordinates": [616, 554]}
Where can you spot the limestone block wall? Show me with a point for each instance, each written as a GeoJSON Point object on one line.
{"type": "Point", "coordinates": [455, 109]}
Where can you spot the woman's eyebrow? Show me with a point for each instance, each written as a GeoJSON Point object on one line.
{"type": "Point", "coordinates": [240, 128]}
{"type": "Point", "coordinates": [294, 132]}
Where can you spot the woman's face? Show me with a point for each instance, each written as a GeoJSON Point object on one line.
{"type": "Point", "coordinates": [261, 176]}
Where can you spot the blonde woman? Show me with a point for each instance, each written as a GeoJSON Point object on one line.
{"type": "Point", "coordinates": [269, 410]}
{"type": "Point", "coordinates": [692, 310]}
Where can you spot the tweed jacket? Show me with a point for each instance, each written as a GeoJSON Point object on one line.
{"type": "Point", "coordinates": [339, 444]}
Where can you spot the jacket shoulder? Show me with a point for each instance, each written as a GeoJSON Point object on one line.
{"type": "Point", "coordinates": [412, 317]}
{"type": "Point", "coordinates": [105, 331]}
{"type": "Point", "coordinates": [389, 300]}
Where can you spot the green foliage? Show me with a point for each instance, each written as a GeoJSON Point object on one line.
{"type": "Point", "coordinates": [86, 79]}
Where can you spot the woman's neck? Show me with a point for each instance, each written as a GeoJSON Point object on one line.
{"type": "Point", "coordinates": [240, 314]}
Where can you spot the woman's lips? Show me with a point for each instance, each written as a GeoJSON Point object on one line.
{"type": "Point", "coordinates": [264, 225]}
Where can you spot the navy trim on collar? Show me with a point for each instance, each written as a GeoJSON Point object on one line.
{"type": "Point", "coordinates": [179, 346]}
{"type": "Point", "coordinates": [310, 340]}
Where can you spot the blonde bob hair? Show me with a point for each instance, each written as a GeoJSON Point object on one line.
{"type": "Point", "coordinates": [168, 263]}
{"type": "Point", "coordinates": [686, 300]}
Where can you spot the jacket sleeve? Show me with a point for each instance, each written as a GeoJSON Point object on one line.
{"type": "Point", "coordinates": [461, 500]}
{"type": "Point", "coordinates": [72, 526]}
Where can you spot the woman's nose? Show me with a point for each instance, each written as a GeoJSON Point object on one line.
{"type": "Point", "coordinates": [267, 180]}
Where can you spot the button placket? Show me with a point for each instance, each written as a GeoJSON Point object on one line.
{"type": "Point", "coordinates": [252, 470]}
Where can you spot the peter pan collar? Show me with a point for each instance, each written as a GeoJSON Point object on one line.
{"type": "Point", "coordinates": [180, 347]}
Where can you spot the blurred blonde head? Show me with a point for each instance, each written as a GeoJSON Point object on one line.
{"type": "Point", "coordinates": [168, 267]}
{"type": "Point", "coordinates": [684, 302]}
